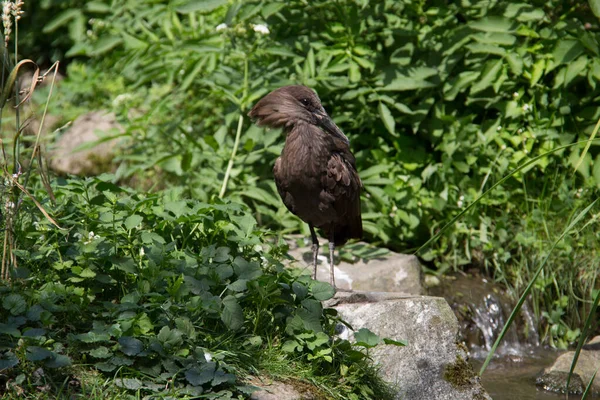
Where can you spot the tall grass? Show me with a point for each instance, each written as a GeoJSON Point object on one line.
{"type": "Point", "coordinates": [18, 167]}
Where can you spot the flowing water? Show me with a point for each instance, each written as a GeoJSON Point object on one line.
{"type": "Point", "coordinates": [482, 310]}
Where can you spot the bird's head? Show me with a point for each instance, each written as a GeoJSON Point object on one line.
{"type": "Point", "coordinates": [290, 105]}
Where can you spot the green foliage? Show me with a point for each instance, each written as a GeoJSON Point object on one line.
{"type": "Point", "coordinates": [170, 296]}
{"type": "Point", "coordinates": [440, 101]}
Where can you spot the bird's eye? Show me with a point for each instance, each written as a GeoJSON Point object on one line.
{"type": "Point", "coordinates": [305, 101]}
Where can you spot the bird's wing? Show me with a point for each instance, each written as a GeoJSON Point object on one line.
{"type": "Point", "coordinates": [342, 186]}
{"type": "Point", "coordinates": [287, 198]}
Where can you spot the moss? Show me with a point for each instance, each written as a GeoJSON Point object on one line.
{"type": "Point", "coordinates": [459, 374]}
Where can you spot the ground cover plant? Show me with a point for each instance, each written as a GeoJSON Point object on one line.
{"type": "Point", "coordinates": [441, 100]}
{"type": "Point", "coordinates": [161, 295]}
{"type": "Point", "coordinates": [167, 296]}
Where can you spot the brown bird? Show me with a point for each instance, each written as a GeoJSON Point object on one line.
{"type": "Point", "coordinates": [316, 173]}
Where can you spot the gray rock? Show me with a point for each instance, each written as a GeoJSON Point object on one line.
{"type": "Point", "coordinates": [276, 390]}
{"type": "Point", "coordinates": [391, 272]}
{"type": "Point", "coordinates": [88, 128]}
{"type": "Point", "coordinates": [432, 365]}
{"type": "Point", "coordinates": [554, 378]}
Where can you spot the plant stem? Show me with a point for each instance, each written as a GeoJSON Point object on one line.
{"type": "Point", "coordinates": [236, 143]}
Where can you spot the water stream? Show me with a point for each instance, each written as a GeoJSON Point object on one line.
{"type": "Point", "coordinates": [482, 309]}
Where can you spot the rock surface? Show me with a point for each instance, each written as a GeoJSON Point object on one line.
{"type": "Point", "coordinates": [392, 272]}
{"type": "Point", "coordinates": [384, 295]}
{"type": "Point", "coordinates": [88, 128]}
{"type": "Point", "coordinates": [431, 365]}
{"type": "Point", "coordinates": [554, 378]}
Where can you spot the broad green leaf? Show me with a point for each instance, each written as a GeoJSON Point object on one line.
{"type": "Point", "coordinates": [291, 346]}
{"type": "Point", "coordinates": [485, 48]}
{"type": "Point", "coordinates": [97, 7]}
{"type": "Point", "coordinates": [565, 51]}
{"type": "Point", "coordinates": [271, 8]}
{"type": "Point", "coordinates": [322, 291]}
{"type": "Point", "coordinates": [232, 314]}
{"type": "Point", "coordinates": [387, 118]}
{"type": "Point", "coordinates": [595, 7]}
{"type": "Point", "coordinates": [133, 221]}
{"type": "Point", "coordinates": [129, 383]}
{"type": "Point", "coordinates": [504, 39]}
{"type": "Point", "coordinates": [202, 6]}
{"type": "Point", "coordinates": [222, 254]}
{"type": "Point", "coordinates": [200, 375]}
{"type": "Point", "coordinates": [105, 44]}
{"type": "Point", "coordinates": [488, 76]}
{"type": "Point", "coordinates": [14, 303]}
{"type": "Point", "coordinates": [515, 63]}
{"type": "Point", "coordinates": [8, 360]}
{"type": "Point", "coordinates": [58, 361]}
{"type": "Point", "coordinates": [177, 207]}
{"type": "Point", "coordinates": [494, 24]}
{"type": "Point", "coordinates": [300, 290]}
{"type": "Point", "coordinates": [35, 353]}
{"type": "Point", "coordinates": [407, 83]}
{"type": "Point", "coordinates": [366, 338]}
{"type": "Point", "coordinates": [460, 83]}
{"type": "Point", "coordinates": [61, 19]}
{"type": "Point", "coordinates": [389, 341]}
{"type": "Point", "coordinates": [169, 337]}
{"type": "Point", "coordinates": [101, 352]}
{"type": "Point", "coordinates": [130, 346]}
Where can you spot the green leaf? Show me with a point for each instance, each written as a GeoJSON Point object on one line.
{"type": "Point", "coordinates": [199, 376]}
{"type": "Point", "coordinates": [129, 383]}
{"type": "Point", "coordinates": [8, 360]}
{"type": "Point", "coordinates": [488, 76]}
{"type": "Point", "coordinates": [404, 83]}
{"type": "Point", "coordinates": [133, 221]}
{"type": "Point", "coordinates": [177, 207]}
{"type": "Point", "coordinates": [494, 24]}
{"type": "Point", "coordinates": [300, 290]}
{"type": "Point", "coordinates": [169, 337]}
{"type": "Point", "coordinates": [106, 44]}
{"type": "Point", "coordinates": [202, 6]}
{"type": "Point", "coordinates": [14, 303]}
{"type": "Point", "coordinates": [58, 361]}
{"type": "Point", "coordinates": [595, 7]}
{"type": "Point", "coordinates": [101, 352]}
{"type": "Point", "coordinates": [130, 346]}
{"type": "Point", "coordinates": [35, 353]}
{"type": "Point", "coordinates": [246, 270]}
{"type": "Point", "coordinates": [232, 314]}
{"type": "Point", "coordinates": [322, 291]}
{"type": "Point", "coordinates": [271, 8]}
{"type": "Point", "coordinates": [387, 118]}
{"type": "Point", "coordinates": [291, 346]}
{"type": "Point", "coordinates": [222, 254]}
{"type": "Point", "coordinates": [366, 338]}
{"type": "Point", "coordinates": [97, 7]}
{"type": "Point", "coordinates": [61, 19]}
{"type": "Point", "coordinates": [392, 342]}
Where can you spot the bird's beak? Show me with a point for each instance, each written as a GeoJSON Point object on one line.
{"type": "Point", "coordinates": [325, 122]}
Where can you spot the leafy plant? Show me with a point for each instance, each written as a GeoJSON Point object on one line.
{"type": "Point", "coordinates": [171, 296]}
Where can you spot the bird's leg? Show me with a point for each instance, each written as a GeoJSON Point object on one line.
{"type": "Point", "coordinates": [315, 249]}
{"type": "Point", "coordinates": [331, 251]}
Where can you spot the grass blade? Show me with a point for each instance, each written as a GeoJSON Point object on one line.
{"type": "Point", "coordinates": [517, 308]}
{"type": "Point", "coordinates": [587, 147]}
{"type": "Point", "coordinates": [589, 386]}
{"type": "Point", "coordinates": [582, 338]}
